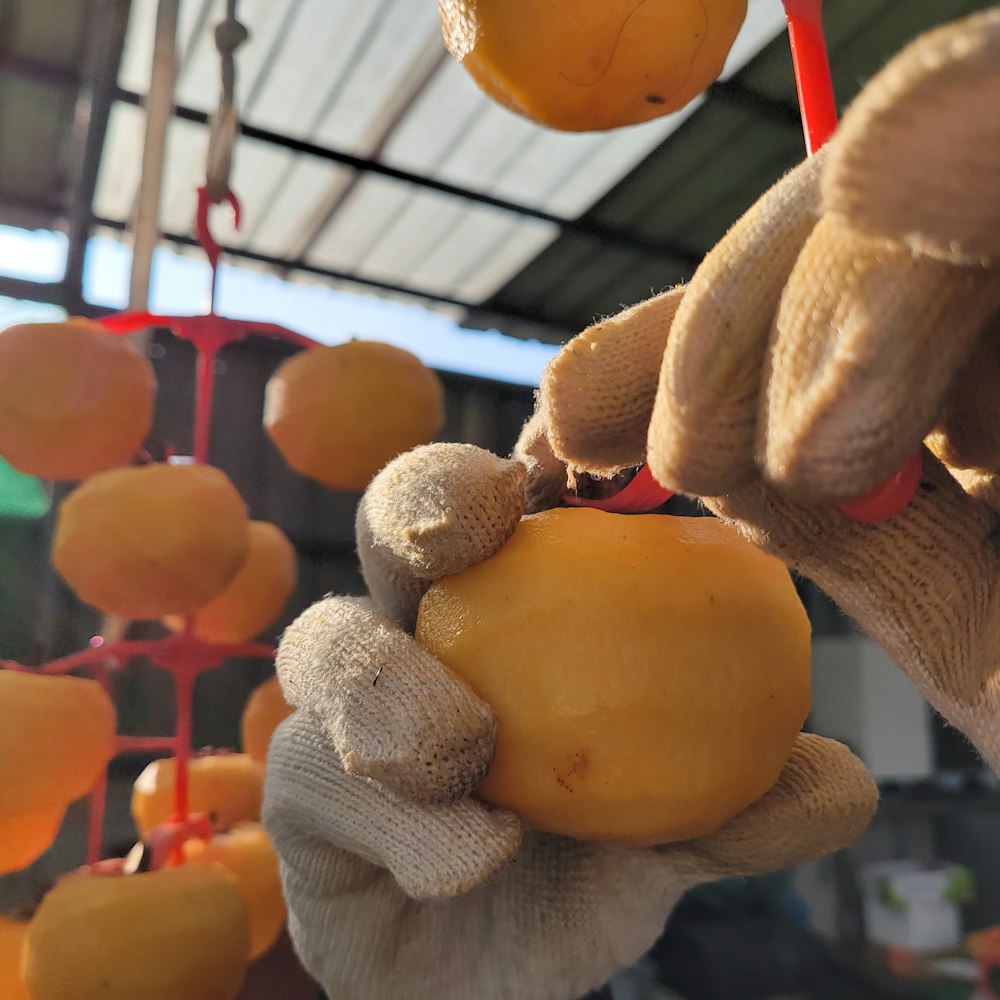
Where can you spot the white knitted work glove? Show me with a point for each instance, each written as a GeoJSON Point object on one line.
{"type": "Point", "coordinates": [851, 314]}
{"type": "Point", "coordinates": [399, 882]}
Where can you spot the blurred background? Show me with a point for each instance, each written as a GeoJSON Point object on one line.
{"type": "Point", "coordinates": [385, 197]}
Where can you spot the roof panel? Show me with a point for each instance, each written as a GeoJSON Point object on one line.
{"type": "Point", "coordinates": [436, 120]}
{"type": "Point", "coordinates": [296, 203]}
{"type": "Point", "coordinates": [257, 168]}
{"type": "Point", "coordinates": [121, 163]}
{"type": "Point", "coordinates": [764, 22]}
{"type": "Point", "coordinates": [314, 52]}
{"type": "Point", "coordinates": [137, 58]}
{"type": "Point", "coordinates": [469, 249]}
{"type": "Point", "coordinates": [516, 242]}
{"type": "Point", "coordinates": [378, 79]}
{"type": "Point", "coordinates": [371, 206]}
{"type": "Point", "coordinates": [183, 173]}
{"type": "Point", "coordinates": [612, 161]}
{"type": "Point", "coordinates": [425, 219]}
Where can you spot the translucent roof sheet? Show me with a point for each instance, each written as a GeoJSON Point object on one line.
{"type": "Point", "coordinates": [372, 79]}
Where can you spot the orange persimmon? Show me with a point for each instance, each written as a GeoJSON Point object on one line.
{"type": "Point", "coordinates": [264, 711]}
{"type": "Point", "coordinates": [168, 934]}
{"type": "Point", "coordinates": [154, 540]}
{"type": "Point", "coordinates": [247, 853]}
{"type": "Point", "coordinates": [74, 399]}
{"type": "Point", "coordinates": [252, 599]}
{"type": "Point", "coordinates": [338, 414]}
{"type": "Point", "coordinates": [229, 787]}
{"type": "Point", "coordinates": [584, 65]}
{"type": "Point", "coordinates": [649, 674]}
{"type": "Point", "coordinates": [57, 735]}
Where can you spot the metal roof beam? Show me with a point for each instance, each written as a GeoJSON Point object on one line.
{"type": "Point", "coordinates": [105, 45]}
{"type": "Point", "coordinates": [561, 331]}
{"type": "Point", "coordinates": [54, 293]}
{"type": "Point", "coordinates": [582, 227]}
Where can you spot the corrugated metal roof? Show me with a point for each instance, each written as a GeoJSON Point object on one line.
{"type": "Point", "coordinates": [371, 155]}
{"type": "Point", "coordinates": [693, 186]}
{"type": "Point", "coordinates": [373, 80]}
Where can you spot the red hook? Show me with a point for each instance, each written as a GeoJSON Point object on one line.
{"type": "Point", "coordinates": [205, 238]}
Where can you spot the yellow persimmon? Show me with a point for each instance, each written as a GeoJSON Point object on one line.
{"type": "Point", "coordinates": [25, 837]}
{"type": "Point", "coordinates": [264, 711]}
{"type": "Point", "coordinates": [57, 735]}
{"type": "Point", "coordinates": [584, 65]}
{"type": "Point", "coordinates": [162, 935]}
{"type": "Point", "coordinates": [247, 853]}
{"type": "Point", "coordinates": [229, 787]}
{"type": "Point", "coordinates": [649, 674]}
{"type": "Point", "coordinates": [255, 597]}
{"type": "Point", "coordinates": [74, 399]}
{"type": "Point", "coordinates": [149, 541]}
{"type": "Point", "coordinates": [338, 414]}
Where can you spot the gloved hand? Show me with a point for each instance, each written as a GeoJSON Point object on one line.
{"type": "Point", "coordinates": [851, 314]}
{"type": "Point", "coordinates": [399, 882]}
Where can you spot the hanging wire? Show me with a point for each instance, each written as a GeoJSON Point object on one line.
{"type": "Point", "coordinates": [230, 34]}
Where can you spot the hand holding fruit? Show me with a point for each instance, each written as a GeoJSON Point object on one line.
{"type": "Point", "coordinates": [399, 879]}
{"type": "Point", "coordinates": [850, 315]}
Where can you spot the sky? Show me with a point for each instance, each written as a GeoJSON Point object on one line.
{"type": "Point", "coordinates": [180, 287]}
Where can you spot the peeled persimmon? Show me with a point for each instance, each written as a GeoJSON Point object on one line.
{"type": "Point", "coordinates": [57, 735]}
{"type": "Point", "coordinates": [229, 787]}
{"type": "Point", "coordinates": [163, 935]}
{"type": "Point", "coordinates": [264, 711]}
{"type": "Point", "coordinates": [255, 597]}
{"type": "Point", "coordinates": [247, 853]}
{"type": "Point", "coordinates": [649, 674]}
{"type": "Point", "coordinates": [12, 934]}
{"type": "Point", "coordinates": [25, 837]}
{"type": "Point", "coordinates": [583, 65]}
{"type": "Point", "coordinates": [149, 541]}
{"type": "Point", "coordinates": [74, 399]}
{"type": "Point", "coordinates": [339, 414]}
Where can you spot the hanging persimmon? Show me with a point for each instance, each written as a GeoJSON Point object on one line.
{"type": "Point", "coordinates": [264, 711]}
{"type": "Point", "coordinates": [227, 786]}
{"type": "Point", "coordinates": [247, 853]}
{"type": "Point", "coordinates": [173, 933]}
{"type": "Point", "coordinates": [74, 399]}
{"type": "Point", "coordinates": [584, 65]}
{"type": "Point", "coordinates": [252, 599]}
{"type": "Point", "coordinates": [152, 540]}
{"type": "Point", "coordinates": [339, 414]}
{"type": "Point", "coordinates": [57, 735]}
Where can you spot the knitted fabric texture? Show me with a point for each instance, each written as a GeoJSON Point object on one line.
{"type": "Point", "coordinates": [622, 356]}
{"type": "Point", "coordinates": [468, 506]}
{"type": "Point", "coordinates": [872, 345]}
{"type": "Point", "coordinates": [701, 438]}
{"type": "Point", "coordinates": [927, 122]}
{"type": "Point", "coordinates": [401, 883]}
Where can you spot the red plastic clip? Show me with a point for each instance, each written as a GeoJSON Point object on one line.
{"type": "Point", "coordinates": [641, 495]}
